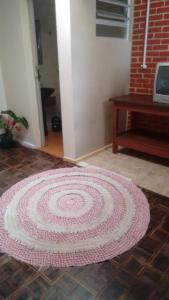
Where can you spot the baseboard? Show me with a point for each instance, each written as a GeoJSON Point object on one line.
{"type": "Point", "coordinates": [27, 144]}
{"type": "Point", "coordinates": [78, 159]}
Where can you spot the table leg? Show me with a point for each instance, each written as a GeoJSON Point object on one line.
{"type": "Point", "coordinates": [115, 128]}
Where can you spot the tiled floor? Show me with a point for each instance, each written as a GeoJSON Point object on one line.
{"type": "Point", "coordinates": [139, 274]}
{"type": "Point", "coordinates": [147, 171]}
{"type": "Point", "coordinates": [53, 144]}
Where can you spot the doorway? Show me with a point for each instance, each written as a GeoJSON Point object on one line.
{"type": "Point", "coordinates": [48, 74]}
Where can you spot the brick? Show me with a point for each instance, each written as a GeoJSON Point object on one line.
{"type": "Point", "coordinates": [163, 9]}
{"type": "Point", "coordinates": [160, 47]}
{"type": "Point", "coordinates": [139, 19]}
{"type": "Point", "coordinates": [142, 90]}
{"type": "Point", "coordinates": [142, 81]}
{"type": "Point", "coordinates": [140, 7]}
{"type": "Point", "coordinates": [165, 41]}
{"type": "Point", "coordinates": [138, 31]}
{"type": "Point", "coordinates": [162, 35]}
{"type": "Point", "coordinates": [164, 53]}
{"type": "Point", "coordinates": [166, 16]}
{"type": "Point", "coordinates": [166, 29]}
{"type": "Point", "coordinates": [156, 59]}
{"type": "Point", "coordinates": [153, 11]}
{"type": "Point", "coordinates": [150, 36]}
{"type": "Point", "coordinates": [137, 13]}
{"type": "Point", "coordinates": [132, 90]}
{"type": "Point", "coordinates": [141, 48]}
{"type": "Point", "coordinates": [134, 59]}
{"type": "Point", "coordinates": [134, 48]}
{"type": "Point", "coordinates": [155, 29]}
{"type": "Point", "coordinates": [153, 53]}
{"type": "Point", "coordinates": [148, 75]}
{"type": "Point", "coordinates": [161, 23]}
{"type": "Point", "coordinates": [149, 47]}
{"type": "Point", "coordinates": [138, 42]}
{"type": "Point", "coordinates": [159, 3]}
{"type": "Point", "coordinates": [154, 41]}
{"type": "Point", "coordinates": [135, 65]}
{"type": "Point", "coordinates": [137, 53]}
{"type": "Point", "coordinates": [138, 76]}
{"type": "Point", "coordinates": [152, 24]}
{"type": "Point", "coordinates": [151, 65]}
{"type": "Point", "coordinates": [156, 17]}
{"type": "Point", "coordinates": [134, 70]}
{"type": "Point", "coordinates": [138, 35]}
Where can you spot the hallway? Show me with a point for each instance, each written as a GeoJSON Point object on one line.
{"type": "Point", "coordinates": [54, 144]}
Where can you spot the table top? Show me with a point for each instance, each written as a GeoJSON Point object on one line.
{"type": "Point", "coordinates": [139, 100]}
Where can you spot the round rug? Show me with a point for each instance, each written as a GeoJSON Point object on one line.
{"type": "Point", "coordinates": [72, 217]}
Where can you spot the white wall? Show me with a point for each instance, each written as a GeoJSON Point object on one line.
{"type": "Point", "coordinates": [92, 69]}
{"type": "Point", "coordinates": [65, 70]}
{"type": "Point", "coordinates": [17, 65]}
{"type": "Point", "coordinates": [98, 69]}
{"type": "Point", "coordinates": [49, 71]}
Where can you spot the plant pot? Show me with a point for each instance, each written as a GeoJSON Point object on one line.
{"type": "Point", "coordinates": [6, 140]}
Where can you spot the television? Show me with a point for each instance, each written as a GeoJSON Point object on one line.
{"type": "Point", "coordinates": [161, 83]}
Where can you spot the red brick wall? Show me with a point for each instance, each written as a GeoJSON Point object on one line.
{"type": "Point", "coordinates": [141, 81]}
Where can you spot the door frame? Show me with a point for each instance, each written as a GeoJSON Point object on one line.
{"type": "Point", "coordinates": [36, 68]}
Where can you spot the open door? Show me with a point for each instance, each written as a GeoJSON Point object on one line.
{"type": "Point", "coordinates": [36, 68]}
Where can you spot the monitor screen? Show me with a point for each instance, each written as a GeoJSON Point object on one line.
{"type": "Point", "coordinates": [162, 83]}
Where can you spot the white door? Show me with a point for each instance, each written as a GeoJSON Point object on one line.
{"type": "Point", "coordinates": [36, 68]}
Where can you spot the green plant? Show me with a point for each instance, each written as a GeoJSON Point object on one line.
{"type": "Point", "coordinates": [10, 121]}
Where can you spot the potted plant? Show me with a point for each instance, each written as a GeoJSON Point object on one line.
{"type": "Point", "coordinates": [10, 123]}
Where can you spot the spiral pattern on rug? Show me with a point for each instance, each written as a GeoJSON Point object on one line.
{"type": "Point", "coordinates": [72, 217]}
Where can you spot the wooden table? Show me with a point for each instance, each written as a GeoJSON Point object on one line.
{"type": "Point", "coordinates": [148, 142]}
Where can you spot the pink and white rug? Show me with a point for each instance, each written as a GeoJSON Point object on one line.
{"type": "Point", "coordinates": [73, 216]}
